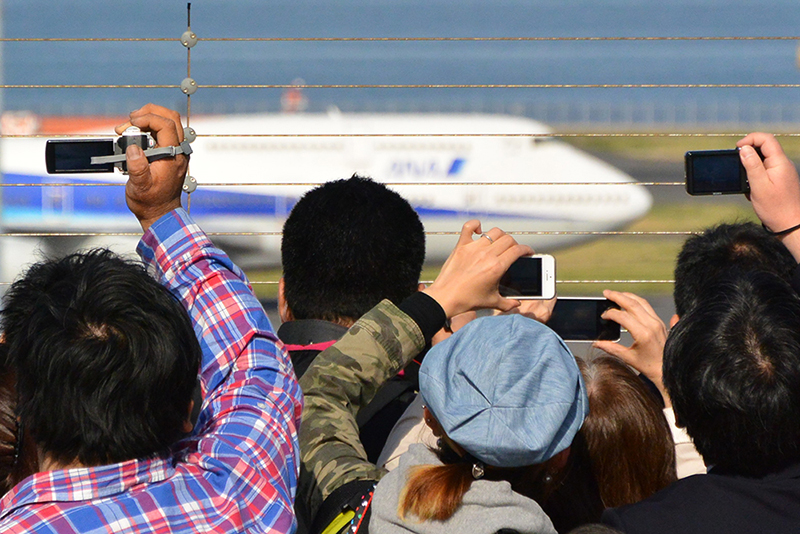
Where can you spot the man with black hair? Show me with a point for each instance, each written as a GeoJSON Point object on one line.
{"type": "Point", "coordinates": [107, 359]}
{"type": "Point", "coordinates": [347, 245]}
{"type": "Point", "coordinates": [732, 370]}
{"type": "Point", "coordinates": [707, 256]}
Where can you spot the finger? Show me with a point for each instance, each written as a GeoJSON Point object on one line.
{"type": "Point", "coordinates": [613, 348]}
{"type": "Point", "coordinates": [512, 254]}
{"type": "Point", "coordinates": [495, 234]}
{"type": "Point", "coordinates": [624, 318]}
{"type": "Point", "coordinates": [470, 228]}
{"type": "Point", "coordinates": [119, 129]}
{"type": "Point", "coordinates": [164, 129]}
{"type": "Point", "coordinates": [765, 141]}
{"type": "Point", "coordinates": [502, 244]}
{"type": "Point", "coordinates": [154, 109]}
{"type": "Point", "coordinates": [623, 300]}
{"type": "Point", "coordinates": [756, 172]}
{"type": "Point", "coordinates": [506, 305]}
{"type": "Point", "coordinates": [138, 168]}
{"type": "Point", "coordinates": [643, 303]}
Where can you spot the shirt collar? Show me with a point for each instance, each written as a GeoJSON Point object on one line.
{"type": "Point", "coordinates": [310, 332]}
{"type": "Point", "coordinates": [85, 483]}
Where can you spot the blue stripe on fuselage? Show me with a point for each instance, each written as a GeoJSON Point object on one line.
{"type": "Point", "coordinates": [35, 202]}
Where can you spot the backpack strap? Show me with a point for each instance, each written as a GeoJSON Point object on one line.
{"type": "Point", "coordinates": [348, 504]}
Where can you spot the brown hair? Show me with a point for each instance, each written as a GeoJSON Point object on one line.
{"type": "Point", "coordinates": [436, 491]}
{"type": "Point", "coordinates": [628, 438]}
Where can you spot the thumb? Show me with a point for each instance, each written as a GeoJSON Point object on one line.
{"type": "Point", "coordinates": [613, 348]}
{"type": "Point", "coordinates": [752, 163]}
{"type": "Point", "coordinates": [506, 305]}
{"type": "Point", "coordinates": [138, 166]}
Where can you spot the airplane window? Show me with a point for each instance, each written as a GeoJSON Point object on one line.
{"type": "Point", "coordinates": [535, 141]}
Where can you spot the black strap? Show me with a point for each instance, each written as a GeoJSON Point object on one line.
{"type": "Point", "coordinates": [345, 497]}
{"type": "Point", "coordinates": [388, 392]}
{"type": "Point", "coordinates": [782, 232]}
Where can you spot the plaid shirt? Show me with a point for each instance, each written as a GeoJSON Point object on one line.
{"type": "Point", "coordinates": [238, 471]}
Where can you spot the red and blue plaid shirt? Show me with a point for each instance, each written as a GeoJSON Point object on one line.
{"type": "Point", "coordinates": [238, 471]}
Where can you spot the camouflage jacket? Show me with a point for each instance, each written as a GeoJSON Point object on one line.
{"type": "Point", "coordinates": [343, 379]}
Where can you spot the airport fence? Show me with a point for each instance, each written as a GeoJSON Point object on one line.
{"type": "Point", "coordinates": [644, 117]}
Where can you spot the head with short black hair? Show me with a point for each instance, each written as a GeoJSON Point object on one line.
{"type": "Point", "coordinates": [707, 256]}
{"type": "Point", "coordinates": [106, 359]}
{"type": "Point", "coordinates": [732, 370]}
{"type": "Point", "coordinates": [346, 246]}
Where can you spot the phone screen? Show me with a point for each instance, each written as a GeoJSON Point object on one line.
{"type": "Point", "coordinates": [523, 278]}
{"type": "Point", "coordinates": [578, 319]}
{"type": "Point", "coordinates": [74, 155]}
{"type": "Point", "coordinates": [714, 172]}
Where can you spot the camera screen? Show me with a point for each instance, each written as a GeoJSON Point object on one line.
{"type": "Point", "coordinates": [523, 278]}
{"type": "Point", "coordinates": [73, 156]}
{"type": "Point", "coordinates": [579, 320]}
{"type": "Point", "coordinates": [716, 173]}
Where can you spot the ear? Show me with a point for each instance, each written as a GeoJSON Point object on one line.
{"type": "Point", "coordinates": [673, 320]}
{"type": "Point", "coordinates": [187, 423]}
{"type": "Point", "coordinates": [283, 307]}
{"type": "Point", "coordinates": [420, 287]}
{"type": "Point", "coordinates": [559, 461]}
{"type": "Point", "coordinates": [432, 423]}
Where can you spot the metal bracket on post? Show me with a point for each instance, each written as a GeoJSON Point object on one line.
{"type": "Point", "coordinates": [188, 86]}
{"type": "Point", "coordinates": [189, 184]}
{"type": "Point", "coordinates": [189, 39]}
{"type": "Point", "coordinates": [189, 135]}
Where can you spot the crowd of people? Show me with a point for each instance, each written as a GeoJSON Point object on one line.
{"type": "Point", "coordinates": [155, 396]}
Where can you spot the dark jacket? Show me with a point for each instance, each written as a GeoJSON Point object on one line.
{"type": "Point", "coordinates": [717, 503]}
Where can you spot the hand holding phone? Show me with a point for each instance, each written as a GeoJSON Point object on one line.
{"type": "Point", "coordinates": [649, 333]}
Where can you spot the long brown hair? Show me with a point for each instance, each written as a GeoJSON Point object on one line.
{"type": "Point", "coordinates": [629, 440]}
{"type": "Point", "coordinates": [436, 491]}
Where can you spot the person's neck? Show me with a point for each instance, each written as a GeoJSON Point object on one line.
{"type": "Point", "coordinates": [48, 463]}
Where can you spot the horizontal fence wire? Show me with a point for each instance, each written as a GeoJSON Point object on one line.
{"type": "Point", "coordinates": [276, 282]}
{"type": "Point", "coordinates": [314, 184]}
{"type": "Point", "coordinates": [279, 234]}
{"type": "Point", "coordinates": [401, 39]}
{"type": "Point", "coordinates": [420, 86]}
{"type": "Point", "coordinates": [403, 86]}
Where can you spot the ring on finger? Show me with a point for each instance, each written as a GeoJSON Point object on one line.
{"type": "Point", "coordinates": [487, 236]}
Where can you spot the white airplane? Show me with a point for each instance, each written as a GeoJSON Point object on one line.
{"type": "Point", "coordinates": [313, 148]}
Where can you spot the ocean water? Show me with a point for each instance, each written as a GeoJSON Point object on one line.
{"type": "Point", "coordinates": [505, 62]}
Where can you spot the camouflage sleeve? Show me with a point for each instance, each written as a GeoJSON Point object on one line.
{"type": "Point", "coordinates": [342, 380]}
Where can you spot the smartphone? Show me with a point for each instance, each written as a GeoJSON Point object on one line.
{"type": "Point", "coordinates": [715, 172]}
{"type": "Point", "coordinates": [578, 319]}
{"type": "Point", "coordinates": [64, 156]}
{"type": "Point", "coordinates": [530, 277]}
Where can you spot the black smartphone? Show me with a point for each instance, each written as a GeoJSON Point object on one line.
{"type": "Point", "coordinates": [715, 172]}
{"type": "Point", "coordinates": [530, 277]}
{"type": "Point", "coordinates": [65, 156]}
{"type": "Point", "coordinates": [578, 319]}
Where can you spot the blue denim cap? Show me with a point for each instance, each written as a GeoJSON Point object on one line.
{"type": "Point", "coordinates": [507, 389]}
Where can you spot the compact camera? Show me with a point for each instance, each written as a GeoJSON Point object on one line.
{"type": "Point", "coordinates": [716, 172]}
{"type": "Point", "coordinates": [103, 155]}
{"type": "Point", "coordinates": [93, 155]}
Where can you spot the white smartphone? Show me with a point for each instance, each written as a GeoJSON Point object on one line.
{"type": "Point", "coordinates": [530, 277]}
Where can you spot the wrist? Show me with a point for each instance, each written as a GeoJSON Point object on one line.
{"type": "Point", "coordinates": [792, 242]}
{"type": "Point", "coordinates": [442, 297]}
{"type": "Point", "coordinates": [148, 217]}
